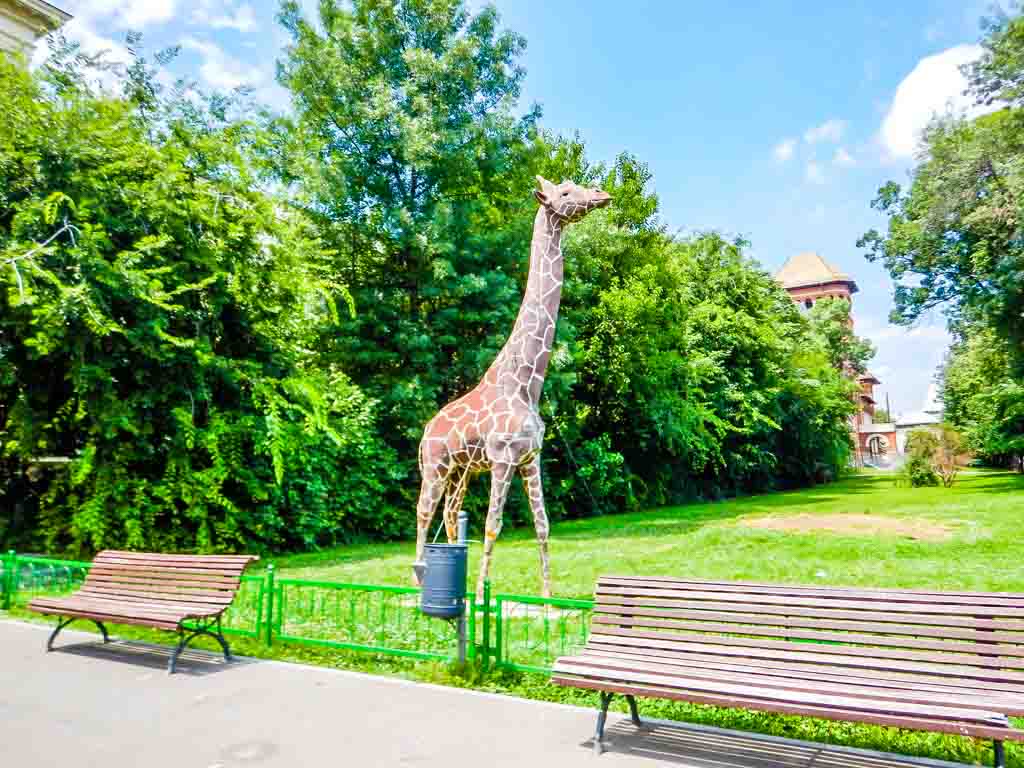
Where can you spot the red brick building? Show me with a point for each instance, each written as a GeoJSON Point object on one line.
{"type": "Point", "coordinates": [807, 277]}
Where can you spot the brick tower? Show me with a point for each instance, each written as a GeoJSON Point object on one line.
{"type": "Point", "coordinates": [807, 277]}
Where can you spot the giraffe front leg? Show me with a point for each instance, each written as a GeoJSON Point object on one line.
{"type": "Point", "coordinates": [431, 489]}
{"type": "Point", "coordinates": [535, 493]}
{"type": "Point", "coordinates": [501, 476]}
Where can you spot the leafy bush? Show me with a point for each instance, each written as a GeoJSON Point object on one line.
{"type": "Point", "coordinates": [919, 472]}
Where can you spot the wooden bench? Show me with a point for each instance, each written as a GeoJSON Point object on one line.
{"type": "Point", "coordinates": [948, 662]}
{"type": "Point", "coordinates": [151, 590]}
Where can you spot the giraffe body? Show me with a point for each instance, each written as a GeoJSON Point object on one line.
{"type": "Point", "coordinates": [496, 426]}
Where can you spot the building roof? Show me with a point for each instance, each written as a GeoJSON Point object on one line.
{"type": "Point", "coordinates": [808, 268]}
{"type": "Point", "coordinates": [50, 14]}
{"type": "Point", "coordinates": [917, 419]}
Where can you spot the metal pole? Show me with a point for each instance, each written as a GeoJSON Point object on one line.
{"type": "Point", "coordinates": [10, 579]}
{"type": "Point", "coordinates": [269, 582]}
{"type": "Point", "coordinates": [463, 526]}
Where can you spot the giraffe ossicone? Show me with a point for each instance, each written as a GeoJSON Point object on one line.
{"type": "Point", "coordinates": [496, 426]}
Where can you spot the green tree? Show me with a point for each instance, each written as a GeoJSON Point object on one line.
{"type": "Point", "coordinates": [832, 330]}
{"type": "Point", "coordinates": [953, 236]}
{"type": "Point", "coordinates": [997, 76]}
{"type": "Point", "coordinates": [405, 151]}
{"type": "Point", "coordinates": [154, 307]}
{"type": "Point", "coordinates": [983, 399]}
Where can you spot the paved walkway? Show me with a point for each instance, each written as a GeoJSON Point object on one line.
{"type": "Point", "coordinates": [114, 706]}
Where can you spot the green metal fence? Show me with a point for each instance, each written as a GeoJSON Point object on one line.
{"type": "Point", "coordinates": [532, 632]}
{"type": "Point", "coordinates": [520, 632]}
{"type": "Point", "coordinates": [360, 617]}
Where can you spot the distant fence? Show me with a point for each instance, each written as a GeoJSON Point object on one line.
{"type": "Point", "coordinates": [519, 632]}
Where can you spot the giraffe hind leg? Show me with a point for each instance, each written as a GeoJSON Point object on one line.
{"type": "Point", "coordinates": [501, 475]}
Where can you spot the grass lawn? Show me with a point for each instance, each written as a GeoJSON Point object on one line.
{"type": "Point", "coordinates": [965, 537]}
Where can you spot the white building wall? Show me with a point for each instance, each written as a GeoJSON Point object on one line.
{"type": "Point", "coordinates": [22, 22]}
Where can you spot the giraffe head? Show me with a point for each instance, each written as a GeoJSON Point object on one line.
{"type": "Point", "coordinates": [569, 201]}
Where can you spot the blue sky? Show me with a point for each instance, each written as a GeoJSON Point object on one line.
{"type": "Point", "coordinates": [777, 121]}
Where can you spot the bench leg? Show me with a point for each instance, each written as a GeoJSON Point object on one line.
{"type": "Point", "coordinates": [61, 623]}
{"type": "Point", "coordinates": [999, 756]}
{"type": "Point", "coordinates": [188, 638]}
{"type": "Point", "coordinates": [634, 714]}
{"type": "Point", "coordinates": [602, 716]}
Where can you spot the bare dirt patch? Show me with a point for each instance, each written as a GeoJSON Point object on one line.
{"type": "Point", "coordinates": [854, 525]}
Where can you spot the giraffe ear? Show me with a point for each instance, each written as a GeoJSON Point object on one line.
{"type": "Point", "coordinates": [543, 191]}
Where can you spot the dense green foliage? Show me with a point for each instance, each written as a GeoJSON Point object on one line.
{"type": "Point", "coordinates": [152, 307]}
{"type": "Point", "coordinates": [982, 396]}
{"type": "Point", "coordinates": [236, 327]}
{"type": "Point", "coordinates": [954, 241]}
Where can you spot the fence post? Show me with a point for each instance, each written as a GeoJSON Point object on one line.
{"type": "Point", "coordinates": [270, 604]}
{"type": "Point", "coordinates": [487, 624]}
{"type": "Point", "coordinates": [10, 580]}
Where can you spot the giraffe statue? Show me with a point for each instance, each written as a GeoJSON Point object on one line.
{"type": "Point", "coordinates": [497, 425]}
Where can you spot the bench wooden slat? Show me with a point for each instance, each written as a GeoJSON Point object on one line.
{"type": "Point", "coordinates": [215, 561]}
{"type": "Point", "coordinates": [163, 567]}
{"type": "Point", "coordinates": [111, 613]}
{"type": "Point", "coordinates": [935, 725]}
{"type": "Point", "coordinates": [139, 574]}
{"type": "Point", "coordinates": [843, 603]}
{"type": "Point", "coordinates": [799, 666]}
{"type": "Point", "coordinates": [993, 648]}
{"type": "Point", "coordinates": [795, 589]}
{"type": "Point", "coordinates": [770, 620]}
{"type": "Point", "coordinates": [693, 639]}
{"type": "Point", "coordinates": [801, 672]}
{"type": "Point", "coordinates": [813, 654]}
{"type": "Point", "coordinates": [156, 596]}
{"type": "Point", "coordinates": [128, 607]}
{"type": "Point", "coordinates": [575, 666]}
{"type": "Point", "coordinates": [865, 689]}
{"type": "Point", "coordinates": [156, 585]}
{"type": "Point", "coordinates": [610, 601]}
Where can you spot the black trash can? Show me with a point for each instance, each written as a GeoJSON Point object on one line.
{"type": "Point", "coordinates": [444, 583]}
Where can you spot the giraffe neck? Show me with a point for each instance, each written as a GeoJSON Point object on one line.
{"type": "Point", "coordinates": [521, 366]}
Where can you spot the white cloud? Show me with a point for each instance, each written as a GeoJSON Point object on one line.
{"type": "Point", "coordinates": [218, 70]}
{"type": "Point", "coordinates": [784, 150]}
{"type": "Point", "coordinates": [224, 16]}
{"type": "Point", "coordinates": [843, 159]}
{"type": "Point", "coordinates": [934, 86]}
{"type": "Point", "coordinates": [814, 173]}
{"type": "Point", "coordinates": [125, 14]}
{"type": "Point", "coordinates": [136, 14]}
{"type": "Point", "coordinates": [830, 130]}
